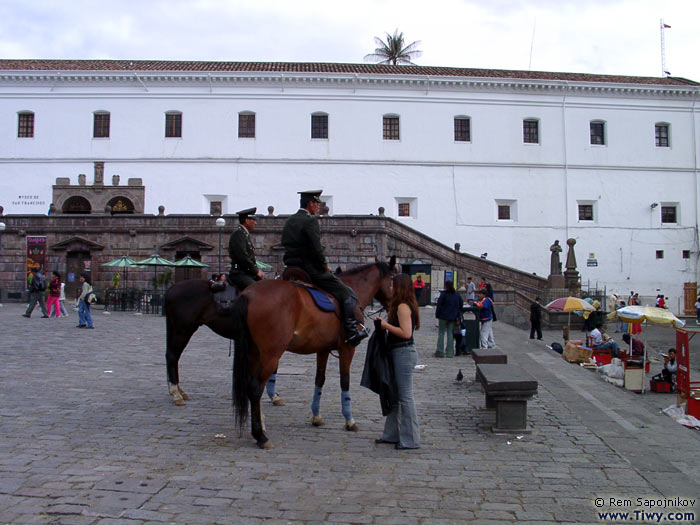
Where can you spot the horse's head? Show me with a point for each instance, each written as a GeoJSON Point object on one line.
{"type": "Point", "coordinates": [387, 272]}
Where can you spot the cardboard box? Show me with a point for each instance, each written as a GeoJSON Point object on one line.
{"type": "Point", "coordinates": [634, 379]}
{"type": "Point", "coordinates": [576, 354]}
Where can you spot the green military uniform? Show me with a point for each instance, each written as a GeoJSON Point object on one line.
{"type": "Point", "coordinates": [301, 238]}
{"type": "Point", "coordinates": [244, 269]}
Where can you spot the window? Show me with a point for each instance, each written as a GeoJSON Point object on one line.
{"type": "Point", "coordinates": [585, 212]}
{"type": "Point", "coordinates": [173, 124]}
{"type": "Point", "coordinates": [406, 207]}
{"type": "Point", "coordinates": [598, 132]}
{"type": "Point", "coordinates": [503, 212]}
{"type": "Point", "coordinates": [506, 210]}
{"type": "Point", "coordinates": [100, 125]}
{"type": "Point", "coordinates": [391, 127]}
{"type": "Point", "coordinates": [215, 208]}
{"type": "Point", "coordinates": [659, 254]}
{"type": "Point", "coordinates": [319, 126]}
{"type": "Point", "coordinates": [661, 132]}
{"type": "Point", "coordinates": [25, 125]}
{"type": "Point", "coordinates": [686, 254]}
{"type": "Point", "coordinates": [463, 129]}
{"type": "Point", "coordinates": [668, 215]}
{"type": "Point", "coordinates": [531, 133]}
{"type": "Point", "coordinates": [246, 125]}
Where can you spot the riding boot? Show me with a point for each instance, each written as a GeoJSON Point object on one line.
{"type": "Point", "coordinates": [217, 286]}
{"type": "Point", "coordinates": [353, 333]}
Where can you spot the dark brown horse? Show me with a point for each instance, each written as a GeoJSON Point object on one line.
{"type": "Point", "coordinates": [189, 305]}
{"type": "Point", "coordinates": [276, 316]}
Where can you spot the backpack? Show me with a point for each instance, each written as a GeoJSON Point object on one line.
{"type": "Point", "coordinates": [41, 284]}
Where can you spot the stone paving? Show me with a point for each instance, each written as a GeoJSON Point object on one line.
{"type": "Point", "coordinates": [89, 435]}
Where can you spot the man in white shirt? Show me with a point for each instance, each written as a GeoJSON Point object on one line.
{"type": "Point", "coordinates": [471, 291]}
{"type": "Point", "coordinates": [599, 344]}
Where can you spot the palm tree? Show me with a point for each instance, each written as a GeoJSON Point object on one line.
{"type": "Point", "coordinates": [393, 50]}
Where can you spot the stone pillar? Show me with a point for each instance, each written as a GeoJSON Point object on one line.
{"type": "Point", "coordinates": [81, 179]}
{"type": "Point", "coordinates": [99, 174]}
{"type": "Point", "coordinates": [571, 274]}
{"type": "Point", "coordinates": [115, 180]}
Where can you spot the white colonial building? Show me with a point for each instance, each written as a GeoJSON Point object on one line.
{"type": "Point", "coordinates": [502, 162]}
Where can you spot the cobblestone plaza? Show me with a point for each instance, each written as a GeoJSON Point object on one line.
{"type": "Point", "coordinates": [89, 435]}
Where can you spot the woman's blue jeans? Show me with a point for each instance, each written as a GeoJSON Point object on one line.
{"type": "Point", "coordinates": [401, 424]}
{"type": "Point", "coordinates": [84, 315]}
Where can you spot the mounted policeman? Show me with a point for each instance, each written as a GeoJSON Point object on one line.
{"type": "Point", "coordinates": [301, 238]}
{"type": "Point", "coordinates": [244, 269]}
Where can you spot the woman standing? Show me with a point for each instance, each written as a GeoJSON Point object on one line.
{"type": "Point", "coordinates": [449, 306]}
{"type": "Point", "coordinates": [401, 426]}
{"type": "Point", "coordinates": [54, 294]}
{"type": "Point", "coordinates": [84, 315]}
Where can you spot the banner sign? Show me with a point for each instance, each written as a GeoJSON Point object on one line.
{"type": "Point", "coordinates": [36, 253]}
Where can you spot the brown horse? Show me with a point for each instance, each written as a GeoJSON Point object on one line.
{"type": "Point", "coordinates": [276, 316]}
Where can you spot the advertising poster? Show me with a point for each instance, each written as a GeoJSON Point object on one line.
{"type": "Point", "coordinates": [36, 253]}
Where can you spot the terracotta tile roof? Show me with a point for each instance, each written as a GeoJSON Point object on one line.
{"type": "Point", "coordinates": [320, 67]}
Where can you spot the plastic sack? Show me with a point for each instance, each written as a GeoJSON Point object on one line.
{"type": "Point", "coordinates": [614, 370]}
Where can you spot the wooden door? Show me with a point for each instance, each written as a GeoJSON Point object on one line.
{"type": "Point", "coordinates": [690, 295]}
{"type": "Point", "coordinates": [76, 263]}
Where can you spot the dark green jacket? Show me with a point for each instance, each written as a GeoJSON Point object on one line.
{"type": "Point", "coordinates": [301, 238]}
{"type": "Point", "coordinates": [242, 253]}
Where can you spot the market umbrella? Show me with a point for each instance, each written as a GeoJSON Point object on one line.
{"type": "Point", "coordinates": [187, 263]}
{"type": "Point", "coordinates": [122, 262]}
{"type": "Point", "coordinates": [155, 260]}
{"type": "Point", "coordinates": [570, 304]}
{"type": "Point", "coordinates": [637, 314]}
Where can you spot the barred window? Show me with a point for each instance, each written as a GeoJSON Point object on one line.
{"type": "Point", "coordinates": [585, 212]}
{"type": "Point", "coordinates": [668, 215]}
{"type": "Point", "coordinates": [173, 124]}
{"type": "Point", "coordinates": [215, 208]}
{"type": "Point", "coordinates": [462, 129]}
{"type": "Point", "coordinates": [100, 127]}
{"type": "Point", "coordinates": [661, 132]}
{"type": "Point", "coordinates": [598, 132]}
{"type": "Point", "coordinates": [391, 127]}
{"type": "Point", "coordinates": [503, 212]}
{"type": "Point", "coordinates": [246, 125]}
{"type": "Point", "coordinates": [25, 125]}
{"type": "Point", "coordinates": [404, 209]}
{"type": "Point", "coordinates": [531, 133]}
{"type": "Point", "coordinates": [319, 126]}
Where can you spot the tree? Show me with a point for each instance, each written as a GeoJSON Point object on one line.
{"type": "Point", "coordinates": [393, 51]}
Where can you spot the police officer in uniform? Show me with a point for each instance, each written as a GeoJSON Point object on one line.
{"type": "Point", "coordinates": [301, 238]}
{"type": "Point", "coordinates": [244, 270]}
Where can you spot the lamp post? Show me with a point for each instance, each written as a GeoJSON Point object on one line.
{"type": "Point", "coordinates": [2, 229]}
{"type": "Point", "coordinates": [220, 223]}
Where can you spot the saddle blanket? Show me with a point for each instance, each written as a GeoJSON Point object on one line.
{"type": "Point", "coordinates": [319, 297]}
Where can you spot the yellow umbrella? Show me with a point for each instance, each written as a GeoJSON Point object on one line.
{"type": "Point", "coordinates": [651, 314]}
{"type": "Point", "coordinates": [570, 304]}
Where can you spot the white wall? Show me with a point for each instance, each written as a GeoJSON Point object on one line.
{"type": "Point", "coordinates": [456, 186]}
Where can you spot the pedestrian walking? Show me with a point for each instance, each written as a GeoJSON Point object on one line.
{"type": "Point", "coordinates": [37, 288]}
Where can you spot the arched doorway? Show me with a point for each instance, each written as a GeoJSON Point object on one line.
{"type": "Point", "coordinates": [77, 204]}
{"type": "Point", "coordinates": [121, 205]}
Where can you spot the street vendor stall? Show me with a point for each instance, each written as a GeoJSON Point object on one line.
{"type": "Point", "coordinates": [688, 391]}
{"type": "Point", "coordinates": [638, 315]}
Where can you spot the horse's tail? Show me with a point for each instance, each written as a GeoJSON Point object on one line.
{"type": "Point", "coordinates": [241, 362]}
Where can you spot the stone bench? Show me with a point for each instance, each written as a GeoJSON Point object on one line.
{"type": "Point", "coordinates": [507, 389]}
{"type": "Point", "coordinates": [488, 355]}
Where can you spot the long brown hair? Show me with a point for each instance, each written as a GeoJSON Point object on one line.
{"type": "Point", "coordinates": [403, 293]}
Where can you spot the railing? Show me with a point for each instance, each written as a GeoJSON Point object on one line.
{"type": "Point", "coordinates": [144, 301]}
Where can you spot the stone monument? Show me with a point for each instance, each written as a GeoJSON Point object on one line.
{"type": "Point", "coordinates": [571, 274]}
{"type": "Point", "coordinates": [555, 279]}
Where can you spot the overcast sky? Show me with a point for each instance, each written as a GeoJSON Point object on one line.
{"type": "Point", "coordinates": [591, 36]}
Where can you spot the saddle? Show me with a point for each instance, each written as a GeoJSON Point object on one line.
{"type": "Point", "coordinates": [299, 277]}
{"type": "Point", "coordinates": [225, 294]}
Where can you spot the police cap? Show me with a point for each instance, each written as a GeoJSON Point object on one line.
{"type": "Point", "coordinates": [244, 214]}
{"type": "Point", "coordinates": [311, 195]}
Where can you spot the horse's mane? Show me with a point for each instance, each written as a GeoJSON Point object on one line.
{"type": "Point", "coordinates": [383, 267]}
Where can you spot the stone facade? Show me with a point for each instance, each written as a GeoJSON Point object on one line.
{"type": "Point", "coordinates": [97, 198]}
{"type": "Point", "coordinates": [349, 241]}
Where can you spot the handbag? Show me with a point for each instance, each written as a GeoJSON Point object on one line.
{"type": "Point", "coordinates": [91, 298]}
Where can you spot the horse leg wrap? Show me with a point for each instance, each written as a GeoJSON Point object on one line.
{"type": "Point", "coordinates": [345, 405]}
{"type": "Point", "coordinates": [270, 386]}
{"type": "Point", "coordinates": [316, 402]}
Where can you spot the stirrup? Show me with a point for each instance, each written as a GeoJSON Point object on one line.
{"type": "Point", "coordinates": [359, 333]}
